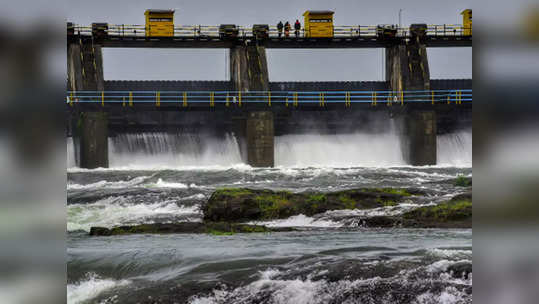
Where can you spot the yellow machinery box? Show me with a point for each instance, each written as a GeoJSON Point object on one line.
{"type": "Point", "coordinates": [159, 23]}
{"type": "Point", "coordinates": [467, 22]}
{"type": "Point", "coordinates": [318, 23]}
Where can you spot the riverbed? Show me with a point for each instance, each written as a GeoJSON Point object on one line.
{"type": "Point", "coordinates": [330, 259]}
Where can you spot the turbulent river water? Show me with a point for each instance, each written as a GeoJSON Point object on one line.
{"type": "Point", "coordinates": [331, 259]}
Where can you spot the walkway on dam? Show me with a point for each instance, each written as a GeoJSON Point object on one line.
{"type": "Point", "coordinates": [207, 36]}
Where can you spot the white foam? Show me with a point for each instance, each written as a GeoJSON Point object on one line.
{"type": "Point", "coordinates": [450, 295]}
{"type": "Point", "coordinates": [299, 220]}
{"type": "Point", "coordinates": [381, 211]}
{"type": "Point", "coordinates": [450, 253]}
{"type": "Point", "coordinates": [285, 291]}
{"type": "Point", "coordinates": [114, 211]}
{"type": "Point", "coordinates": [109, 184]}
{"type": "Point", "coordinates": [161, 184]}
{"type": "Point", "coordinates": [91, 288]}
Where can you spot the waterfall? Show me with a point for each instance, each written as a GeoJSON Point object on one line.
{"type": "Point", "coordinates": [341, 150]}
{"type": "Point", "coordinates": [164, 150]}
{"type": "Point", "coordinates": [71, 162]}
{"type": "Point", "coordinates": [172, 150]}
{"type": "Point", "coordinates": [455, 149]}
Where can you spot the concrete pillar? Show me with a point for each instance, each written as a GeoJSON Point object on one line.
{"type": "Point", "coordinates": [85, 66]}
{"type": "Point", "coordinates": [407, 69]}
{"type": "Point", "coordinates": [249, 68]}
{"type": "Point", "coordinates": [260, 139]}
{"type": "Point", "coordinates": [93, 140]}
{"type": "Point", "coordinates": [419, 139]}
{"type": "Point", "coordinates": [249, 72]}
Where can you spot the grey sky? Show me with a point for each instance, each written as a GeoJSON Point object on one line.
{"type": "Point", "coordinates": [302, 64]}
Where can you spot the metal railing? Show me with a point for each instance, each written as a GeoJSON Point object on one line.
{"type": "Point", "coordinates": [212, 31]}
{"type": "Point", "coordinates": [184, 98]}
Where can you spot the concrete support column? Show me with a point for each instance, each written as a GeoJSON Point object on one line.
{"type": "Point", "coordinates": [249, 68]}
{"type": "Point", "coordinates": [260, 139]}
{"type": "Point", "coordinates": [93, 140]}
{"type": "Point", "coordinates": [407, 69]}
{"type": "Point", "coordinates": [85, 66]}
{"type": "Point", "coordinates": [419, 140]}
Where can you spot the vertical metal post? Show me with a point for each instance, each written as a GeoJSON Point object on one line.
{"type": "Point", "coordinates": [130, 99]}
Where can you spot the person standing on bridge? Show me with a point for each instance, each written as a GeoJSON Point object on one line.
{"type": "Point", "coordinates": [280, 28]}
{"type": "Point", "coordinates": [297, 27]}
{"type": "Point", "coordinates": [287, 29]}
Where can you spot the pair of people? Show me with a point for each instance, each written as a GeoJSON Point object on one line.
{"type": "Point", "coordinates": [297, 27]}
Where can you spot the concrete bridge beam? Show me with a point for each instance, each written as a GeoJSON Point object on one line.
{"type": "Point", "coordinates": [260, 139]}
{"type": "Point", "coordinates": [93, 140]}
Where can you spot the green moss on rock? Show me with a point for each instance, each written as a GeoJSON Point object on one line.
{"type": "Point", "coordinates": [214, 228]}
{"type": "Point", "coordinates": [463, 181]}
{"type": "Point", "coordinates": [458, 213]}
{"type": "Point", "coordinates": [396, 191]}
{"type": "Point", "coordinates": [238, 205]}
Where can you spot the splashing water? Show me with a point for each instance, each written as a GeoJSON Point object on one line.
{"type": "Point", "coordinates": [162, 150]}
{"type": "Point", "coordinates": [455, 149]}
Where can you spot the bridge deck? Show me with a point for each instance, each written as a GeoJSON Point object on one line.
{"type": "Point", "coordinates": [209, 37]}
{"type": "Point", "coordinates": [199, 42]}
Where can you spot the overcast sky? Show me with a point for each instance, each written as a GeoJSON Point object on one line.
{"type": "Point", "coordinates": [283, 64]}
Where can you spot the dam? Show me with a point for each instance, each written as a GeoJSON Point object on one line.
{"type": "Point", "coordinates": [255, 110]}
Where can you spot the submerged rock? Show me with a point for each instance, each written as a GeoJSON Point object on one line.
{"type": "Point", "coordinates": [460, 270]}
{"type": "Point", "coordinates": [241, 204]}
{"type": "Point", "coordinates": [217, 228]}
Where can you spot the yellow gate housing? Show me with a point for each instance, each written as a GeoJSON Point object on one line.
{"type": "Point", "coordinates": [467, 22]}
{"type": "Point", "coordinates": [318, 23]}
{"type": "Point", "coordinates": [159, 23]}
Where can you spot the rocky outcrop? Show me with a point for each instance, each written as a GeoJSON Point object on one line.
{"type": "Point", "coordinates": [241, 204]}
{"type": "Point", "coordinates": [456, 213]}
{"type": "Point", "coordinates": [227, 208]}
{"type": "Point", "coordinates": [460, 270]}
{"type": "Point", "coordinates": [217, 228]}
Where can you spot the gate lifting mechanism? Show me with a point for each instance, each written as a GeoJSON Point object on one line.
{"type": "Point", "coordinates": [323, 98]}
